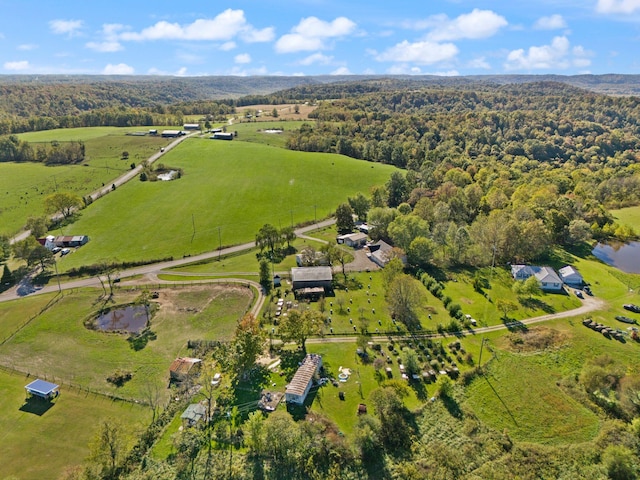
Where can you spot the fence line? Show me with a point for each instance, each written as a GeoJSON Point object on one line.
{"type": "Point", "coordinates": [72, 385]}
{"type": "Point", "coordinates": [50, 304]}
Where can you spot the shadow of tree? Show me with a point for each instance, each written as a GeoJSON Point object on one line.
{"type": "Point", "coordinates": [536, 304]}
{"type": "Point", "coordinates": [290, 361]}
{"type": "Point", "coordinates": [452, 406]}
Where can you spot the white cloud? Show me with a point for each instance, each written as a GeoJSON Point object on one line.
{"type": "Point", "coordinates": [422, 53]}
{"type": "Point", "coordinates": [617, 6]}
{"type": "Point", "coordinates": [224, 26]}
{"type": "Point", "coordinates": [552, 22]}
{"type": "Point", "coordinates": [17, 66]}
{"type": "Point", "coordinates": [225, 47]}
{"type": "Point", "coordinates": [104, 46]}
{"type": "Point", "coordinates": [479, 62]}
{"type": "Point", "coordinates": [311, 34]}
{"type": "Point", "coordinates": [181, 72]}
{"type": "Point", "coordinates": [259, 36]}
{"type": "Point", "coordinates": [27, 46]}
{"type": "Point", "coordinates": [242, 58]}
{"type": "Point", "coordinates": [557, 55]}
{"type": "Point", "coordinates": [69, 27]}
{"type": "Point", "coordinates": [341, 71]}
{"type": "Point", "coordinates": [316, 58]}
{"type": "Point", "coordinates": [119, 69]}
{"type": "Point", "coordinates": [474, 25]}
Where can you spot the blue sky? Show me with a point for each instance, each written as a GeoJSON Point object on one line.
{"type": "Point", "coordinates": [318, 37]}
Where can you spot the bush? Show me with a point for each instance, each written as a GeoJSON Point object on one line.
{"type": "Point", "coordinates": [446, 301]}
{"type": "Point", "coordinates": [455, 310]}
{"type": "Point", "coordinates": [119, 377]}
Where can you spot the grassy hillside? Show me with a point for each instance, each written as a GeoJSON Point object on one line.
{"type": "Point", "coordinates": [23, 186]}
{"type": "Point", "coordinates": [228, 188]}
{"type": "Point", "coordinates": [628, 216]}
{"type": "Point", "coordinates": [44, 445]}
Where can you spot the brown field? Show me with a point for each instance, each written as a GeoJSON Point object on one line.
{"type": "Point", "coordinates": [285, 111]}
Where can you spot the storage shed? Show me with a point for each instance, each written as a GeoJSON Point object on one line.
{"type": "Point", "coordinates": [297, 390]}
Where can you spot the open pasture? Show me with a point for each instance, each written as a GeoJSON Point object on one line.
{"type": "Point", "coordinates": [628, 216]}
{"type": "Point", "coordinates": [265, 132]}
{"type": "Point", "coordinates": [44, 445]}
{"type": "Point", "coordinates": [23, 186]}
{"type": "Point", "coordinates": [228, 191]}
{"type": "Point", "coordinates": [59, 345]}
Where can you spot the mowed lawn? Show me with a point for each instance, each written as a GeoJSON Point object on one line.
{"type": "Point", "coordinates": [24, 186]}
{"type": "Point", "coordinates": [228, 191]}
{"type": "Point", "coordinates": [629, 216]}
{"type": "Point", "coordinates": [43, 446]}
{"type": "Point", "coordinates": [57, 344]}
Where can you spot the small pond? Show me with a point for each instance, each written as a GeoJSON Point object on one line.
{"type": "Point", "coordinates": [131, 319]}
{"type": "Point", "coordinates": [624, 256]}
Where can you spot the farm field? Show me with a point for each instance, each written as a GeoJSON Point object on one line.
{"type": "Point", "coordinates": [256, 184]}
{"type": "Point", "coordinates": [51, 344]}
{"type": "Point", "coordinates": [257, 132]}
{"type": "Point", "coordinates": [44, 445]}
{"type": "Point", "coordinates": [23, 186]}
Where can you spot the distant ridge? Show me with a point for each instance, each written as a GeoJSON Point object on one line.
{"type": "Point", "coordinates": [218, 87]}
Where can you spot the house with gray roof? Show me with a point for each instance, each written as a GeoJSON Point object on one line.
{"type": "Point", "coordinates": [547, 277]}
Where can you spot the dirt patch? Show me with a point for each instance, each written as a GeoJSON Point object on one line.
{"type": "Point", "coordinates": [536, 339]}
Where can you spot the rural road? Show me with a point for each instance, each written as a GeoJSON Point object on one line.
{"type": "Point", "coordinates": [589, 304]}
{"type": "Point", "coordinates": [154, 268]}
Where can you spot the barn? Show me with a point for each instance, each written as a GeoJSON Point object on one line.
{"type": "Point", "coordinates": [303, 278]}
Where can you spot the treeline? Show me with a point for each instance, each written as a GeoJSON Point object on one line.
{"type": "Point", "coordinates": [12, 149]}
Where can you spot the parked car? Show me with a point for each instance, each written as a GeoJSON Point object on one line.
{"type": "Point", "coordinates": [578, 293]}
{"type": "Point", "coordinates": [587, 290]}
{"type": "Point", "coordinates": [64, 251]}
{"type": "Point", "coordinates": [55, 250]}
{"type": "Point", "coordinates": [631, 307]}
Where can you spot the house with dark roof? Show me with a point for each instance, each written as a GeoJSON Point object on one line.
{"type": "Point", "coordinates": [298, 389]}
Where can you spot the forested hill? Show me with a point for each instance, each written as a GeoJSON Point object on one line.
{"type": "Point", "coordinates": [25, 96]}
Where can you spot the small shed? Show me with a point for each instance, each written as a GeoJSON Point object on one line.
{"type": "Point", "coordinates": [191, 126]}
{"type": "Point", "coordinates": [42, 389]}
{"type": "Point", "coordinates": [571, 276]}
{"type": "Point", "coordinates": [362, 409]}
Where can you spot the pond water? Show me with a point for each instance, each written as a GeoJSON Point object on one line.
{"type": "Point", "coordinates": [131, 319]}
{"type": "Point", "coordinates": [624, 256]}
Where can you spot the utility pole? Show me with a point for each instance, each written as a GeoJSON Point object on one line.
{"type": "Point", "coordinates": [55, 264]}
{"type": "Point", "coordinates": [315, 215]}
{"type": "Point", "coordinates": [291, 212]}
{"type": "Point", "coordinates": [219, 244]}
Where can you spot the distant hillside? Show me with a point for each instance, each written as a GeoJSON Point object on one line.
{"type": "Point", "coordinates": [41, 102]}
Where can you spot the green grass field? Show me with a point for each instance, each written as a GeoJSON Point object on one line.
{"type": "Point", "coordinates": [23, 186]}
{"type": "Point", "coordinates": [228, 188]}
{"type": "Point", "coordinates": [53, 343]}
{"type": "Point", "coordinates": [255, 132]}
{"type": "Point", "coordinates": [629, 216]}
{"type": "Point", "coordinates": [43, 446]}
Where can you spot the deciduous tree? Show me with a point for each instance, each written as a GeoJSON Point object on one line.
{"type": "Point", "coordinates": [344, 218]}
{"type": "Point", "coordinates": [62, 202]}
{"type": "Point", "coordinates": [297, 326]}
